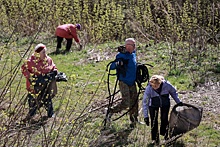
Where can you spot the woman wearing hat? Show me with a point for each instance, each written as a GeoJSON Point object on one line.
{"type": "Point", "coordinates": [40, 72]}
{"type": "Point", "coordinates": [67, 31]}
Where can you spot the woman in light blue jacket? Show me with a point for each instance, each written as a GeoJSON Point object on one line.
{"type": "Point", "coordinates": [157, 95]}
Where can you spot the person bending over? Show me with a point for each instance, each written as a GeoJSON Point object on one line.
{"type": "Point", "coordinates": [157, 96]}
{"type": "Point", "coordinates": [69, 32]}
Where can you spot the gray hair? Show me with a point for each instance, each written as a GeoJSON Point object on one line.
{"type": "Point", "coordinates": [130, 39]}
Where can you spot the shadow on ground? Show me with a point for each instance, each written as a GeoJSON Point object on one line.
{"type": "Point", "coordinates": [173, 144]}
{"type": "Point", "coordinates": [111, 137]}
{"type": "Point", "coordinates": [56, 53]}
{"type": "Point", "coordinates": [30, 126]}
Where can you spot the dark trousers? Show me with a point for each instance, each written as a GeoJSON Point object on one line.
{"type": "Point", "coordinates": [68, 44]}
{"type": "Point", "coordinates": [36, 103]}
{"type": "Point", "coordinates": [164, 111]}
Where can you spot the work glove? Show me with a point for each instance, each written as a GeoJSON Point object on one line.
{"type": "Point", "coordinates": [80, 46]}
{"type": "Point", "coordinates": [146, 119]}
{"type": "Point", "coordinates": [180, 104]}
{"type": "Point", "coordinates": [55, 72]}
{"type": "Point", "coordinates": [119, 63]}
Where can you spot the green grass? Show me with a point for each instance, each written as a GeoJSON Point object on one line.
{"type": "Point", "coordinates": [86, 90]}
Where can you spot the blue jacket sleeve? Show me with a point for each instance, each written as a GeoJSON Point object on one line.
{"type": "Point", "coordinates": [113, 65]}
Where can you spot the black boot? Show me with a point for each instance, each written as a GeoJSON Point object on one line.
{"type": "Point", "coordinates": [49, 107]}
{"type": "Point", "coordinates": [32, 105]}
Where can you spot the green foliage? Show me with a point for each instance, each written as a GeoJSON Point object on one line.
{"type": "Point", "coordinates": [217, 68]}
{"type": "Point", "coordinates": [114, 20]}
{"type": "Point", "coordinates": [76, 122]}
{"type": "Point", "coordinates": [171, 35]}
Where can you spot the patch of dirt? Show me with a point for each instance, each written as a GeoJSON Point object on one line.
{"type": "Point", "coordinates": [206, 96]}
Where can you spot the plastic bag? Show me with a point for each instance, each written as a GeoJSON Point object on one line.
{"type": "Point", "coordinates": [61, 77]}
{"type": "Point", "coordinates": [183, 119]}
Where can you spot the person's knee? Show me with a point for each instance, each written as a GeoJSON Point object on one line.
{"type": "Point", "coordinates": [31, 100]}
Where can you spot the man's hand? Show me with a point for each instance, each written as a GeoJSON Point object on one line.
{"type": "Point", "coordinates": [146, 119]}
{"type": "Point", "coordinates": [119, 63]}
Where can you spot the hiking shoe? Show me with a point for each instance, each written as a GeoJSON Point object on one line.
{"type": "Point", "coordinates": [134, 122]}
{"type": "Point", "coordinates": [27, 118]}
{"type": "Point", "coordinates": [52, 116]}
{"type": "Point", "coordinates": [166, 137]}
{"type": "Point", "coordinates": [155, 142]}
{"type": "Point", "coordinates": [132, 125]}
{"type": "Point", "coordinates": [57, 52]}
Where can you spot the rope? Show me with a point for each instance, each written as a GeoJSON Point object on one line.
{"type": "Point", "coordinates": [111, 96]}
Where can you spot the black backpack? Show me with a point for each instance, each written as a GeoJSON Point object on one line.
{"type": "Point", "coordinates": [142, 74]}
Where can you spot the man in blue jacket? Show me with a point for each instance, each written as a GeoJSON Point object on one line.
{"type": "Point", "coordinates": [126, 65]}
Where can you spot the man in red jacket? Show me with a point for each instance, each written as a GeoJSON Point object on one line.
{"type": "Point", "coordinates": [67, 31]}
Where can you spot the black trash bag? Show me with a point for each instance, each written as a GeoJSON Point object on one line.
{"type": "Point", "coordinates": [61, 77]}
{"type": "Point", "coordinates": [183, 119]}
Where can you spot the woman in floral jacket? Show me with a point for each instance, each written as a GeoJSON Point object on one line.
{"type": "Point", "coordinates": [40, 72]}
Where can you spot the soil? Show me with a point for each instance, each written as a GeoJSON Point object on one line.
{"type": "Point", "coordinates": [206, 96]}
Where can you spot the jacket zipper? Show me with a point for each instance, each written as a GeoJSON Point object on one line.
{"type": "Point", "coordinates": [160, 101]}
